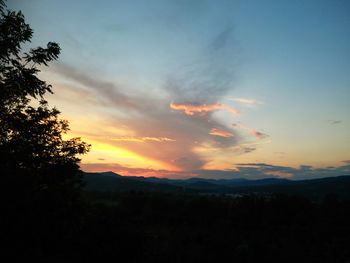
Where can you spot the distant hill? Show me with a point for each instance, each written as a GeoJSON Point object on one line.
{"type": "Point", "coordinates": [313, 188]}
{"type": "Point", "coordinates": [111, 182]}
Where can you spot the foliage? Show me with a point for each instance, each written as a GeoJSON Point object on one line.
{"type": "Point", "coordinates": [31, 142]}
{"type": "Point", "coordinates": [160, 227]}
{"type": "Point", "coordinates": [40, 176]}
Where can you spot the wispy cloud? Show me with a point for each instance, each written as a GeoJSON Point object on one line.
{"type": "Point", "coordinates": [253, 132]}
{"type": "Point", "coordinates": [143, 139]}
{"type": "Point", "coordinates": [220, 133]}
{"type": "Point", "coordinates": [202, 109]}
{"type": "Point", "coordinates": [148, 116]}
{"type": "Point", "coordinates": [202, 80]}
{"type": "Point", "coordinates": [244, 101]}
{"type": "Point", "coordinates": [280, 174]}
{"type": "Point", "coordinates": [334, 121]}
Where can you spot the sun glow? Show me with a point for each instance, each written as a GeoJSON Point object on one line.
{"type": "Point", "coordinates": [105, 153]}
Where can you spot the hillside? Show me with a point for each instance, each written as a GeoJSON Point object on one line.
{"type": "Point", "coordinates": [313, 188]}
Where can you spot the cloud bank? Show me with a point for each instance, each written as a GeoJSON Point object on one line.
{"type": "Point", "coordinates": [194, 90]}
{"type": "Point", "coordinates": [244, 170]}
{"type": "Point", "coordinates": [170, 120]}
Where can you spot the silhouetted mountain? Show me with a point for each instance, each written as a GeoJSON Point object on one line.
{"type": "Point", "coordinates": [110, 173]}
{"type": "Point", "coordinates": [111, 182]}
{"type": "Point", "coordinates": [313, 188]}
{"type": "Point", "coordinates": [210, 182]}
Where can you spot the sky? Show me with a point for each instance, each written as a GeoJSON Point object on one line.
{"type": "Point", "coordinates": [215, 89]}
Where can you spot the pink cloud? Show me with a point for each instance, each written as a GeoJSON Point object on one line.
{"type": "Point", "coordinates": [220, 133]}
{"type": "Point", "coordinates": [191, 109]}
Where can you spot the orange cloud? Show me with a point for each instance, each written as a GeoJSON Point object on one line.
{"type": "Point", "coordinates": [190, 108]}
{"type": "Point", "coordinates": [221, 133]}
{"type": "Point", "coordinates": [143, 139]}
{"type": "Point", "coordinates": [254, 133]}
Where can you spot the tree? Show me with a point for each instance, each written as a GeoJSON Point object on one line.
{"type": "Point", "coordinates": [36, 163]}
{"type": "Point", "coordinates": [40, 176]}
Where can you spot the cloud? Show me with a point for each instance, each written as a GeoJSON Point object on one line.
{"type": "Point", "coordinates": [143, 139]}
{"type": "Point", "coordinates": [221, 133]}
{"type": "Point", "coordinates": [346, 161]}
{"type": "Point", "coordinates": [222, 39]}
{"type": "Point", "coordinates": [211, 75]}
{"type": "Point", "coordinates": [105, 92]}
{"type": "Point", "coordinates": [258, 134]}
{"type": "Point", "coordinates": [247, 102]}
{"type": "Point", "coordinates": [280, 174]}
{"type": "Point", "coordinates": [247, 149]}
{"type": "Point", "coordinates": [191, 108]}
{"type": "Point", "coordinates": [144, 116]}
{"type": "Point", "coordinates": [334, 121]}
{"type": "Point", "coordinates": [243, 170]}
{"type": "Point", "coordinates": [254, 133]}
{"type": "Point", "coordinates": [303, 172]}
{"type": "Point", "coordinates": [203, 80]}
{"type": "Point", "coordinates": [262, 170]}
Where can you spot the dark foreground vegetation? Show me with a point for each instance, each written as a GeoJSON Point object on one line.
{"type": "Point", "coordinates": [160, 227]}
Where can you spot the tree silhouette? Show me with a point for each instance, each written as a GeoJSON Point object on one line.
{"type": "Point", "coordinates": [35, 161]}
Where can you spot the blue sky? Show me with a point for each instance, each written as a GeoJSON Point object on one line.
{"type": "Point", "coordinates": [130, 71]}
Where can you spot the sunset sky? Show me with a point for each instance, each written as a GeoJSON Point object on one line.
{"type": "Point", "coordinates": [216, 89]}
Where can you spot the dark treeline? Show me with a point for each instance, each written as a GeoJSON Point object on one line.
{"type": "Point", "coordinates": [160, 227]}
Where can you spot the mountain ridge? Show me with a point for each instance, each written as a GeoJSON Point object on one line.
{"type": "Point", "coordinates": [314, 188]}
